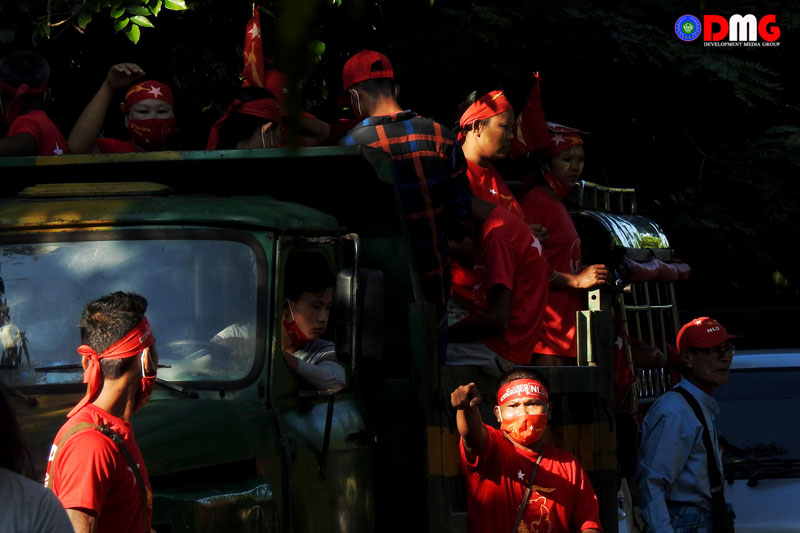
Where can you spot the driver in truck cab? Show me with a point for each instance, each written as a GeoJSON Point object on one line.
{"type": "Point", "coordinates": [308, 296]}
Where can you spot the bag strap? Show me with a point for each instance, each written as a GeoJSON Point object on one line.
{"type": "Point", "coordinates": [714, 476]}
{"type": "Point", "coordinates": [116, 438]}
{"type": "Point", "coordinates": [524, 502]}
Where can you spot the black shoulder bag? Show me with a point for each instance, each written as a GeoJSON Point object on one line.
{"type": "Point", "coordinates": [524, 502]}
{"type": "Point", "coordinates": [722, 515]}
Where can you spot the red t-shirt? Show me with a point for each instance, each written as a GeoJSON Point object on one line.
{"type": "Point", "coordinates": [91, 473]}
{"type": "Point", "coordinates": [561, 501]}
{"type": "Point", "coordinates": [49, 140]}
{"type": "Point", "coordinates": [563, 252]}
{"type": "Point", "coordinates": [509, 255]}
{"type": "Point", "coordinates": [115, 146]}
{"type": "Point", "coordinates": [487, 185]}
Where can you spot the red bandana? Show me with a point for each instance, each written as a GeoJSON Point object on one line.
{"type": "Point", "coordinates": [561, 138]}
{"type": "Point", "coordinates": [136, 340]}
{"type": "Point", "coordinates": [486, 106]}
{"type": "Point", "coordinates": [147, 90]}
{"type": "Point", "coordinates": [522, 388]}
{"type": "Point", "coordinates": [266, 108]}
{"type": "Point", "coordinates": [12, 112]}
{"type": "Point", "coordinates": [560, 189]}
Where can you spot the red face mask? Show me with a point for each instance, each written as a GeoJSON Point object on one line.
{"type": "Point", "coordinates": [525, 429]}
{"type": "Point", "coordinates": [296, 335]}
{"type": "Point", "coordinates": [152, 133]}
{"type": "Point", "coordinates": [148, 383]}
{"type": "Point", "coordinates": [560, 189]}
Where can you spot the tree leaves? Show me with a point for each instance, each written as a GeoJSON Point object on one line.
{"type": "Point", "coordinates": [133, 33]}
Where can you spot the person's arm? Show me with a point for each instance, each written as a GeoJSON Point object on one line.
{"type": "Point", "coordinates": [493, 323]}
{"type": "Point", "coordinates": [465, 399]}
{"type": "Point", "coordinates": [312, 131]}
{"type": "Point", "coordinates": [590, 277]}
{"type": "Point", "coordinates": [325, 375]}
{"type": "Point", "coordinates": [82, 522]}
{"type": "Point", "coordinates": [20, 144]}
{"type": "Point", "coordinates": [86, 129]}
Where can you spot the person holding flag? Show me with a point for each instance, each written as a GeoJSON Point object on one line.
{"type": "Point", "coordinates": [255, 117]}
{"type": "Point", "coordinates": [95, 467]}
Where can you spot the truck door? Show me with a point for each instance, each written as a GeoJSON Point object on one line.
{"type": "Point", "coordinates": [325, 441]}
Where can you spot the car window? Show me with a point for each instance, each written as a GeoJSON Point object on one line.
{"type": "Point", "coordinates": [759, 409]}
{"type": "Point", "coordinates": [196, 288]}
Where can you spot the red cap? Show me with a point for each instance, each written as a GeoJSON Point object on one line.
{"type": "Point", "coordinates": [703, 332]}
{"type": "Point", "coordinates": [561, 138]}
{"type": "Point", "coordinates": [361, 67]}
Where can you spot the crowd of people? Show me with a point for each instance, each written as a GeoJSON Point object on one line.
{"type": "Point", "coordinates": [503, 270]}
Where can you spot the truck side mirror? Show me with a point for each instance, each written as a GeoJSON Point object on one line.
{"type": "Point", "coordinates": [362, 320]}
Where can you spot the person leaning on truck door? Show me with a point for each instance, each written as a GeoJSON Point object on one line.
{"type": "Point", "coordinates": [515, 482]}
{"type": "Point", "coordinates": [149, 116]}
{"type": "Point", "coordinates": [429, 169]}
{"type": "Point", "coordinates": [308, 295]}
{"type": "Point", "coordinates": [673, 475]}
{"type": "Point", "coordinates": [95, 466]}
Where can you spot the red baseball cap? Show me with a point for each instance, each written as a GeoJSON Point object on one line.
{"type": "Point", "coordinates": [365, 65]}
{"type": "Point", "coordinates": [703, 332]}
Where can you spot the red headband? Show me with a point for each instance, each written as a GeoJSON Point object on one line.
{"type": "Point", "coordinates": [561, 138]}
{"type": "Point", "coordinates": [19, 92]}
{"type": "Point", "coordinates": [147, 90]}
{"type": "Point", "coordinates": [136, 340]}
{"type": "Point", "coordinates": [267, 108]}
{"type": "Point", "coordinates": [486, 106]}
{"type": "Point", "coordinates": [522, 388]}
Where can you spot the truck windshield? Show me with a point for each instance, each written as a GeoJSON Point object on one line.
{"type": "Point", "coordinates": [195, 289]}
{"type": "Point", "coordinates": [758, 430]}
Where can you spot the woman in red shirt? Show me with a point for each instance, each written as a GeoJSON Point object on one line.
{"type": "Point", "coordinates": [568, 281]}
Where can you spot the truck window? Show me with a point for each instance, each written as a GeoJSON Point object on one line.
{"type": "Point", "coordinates": [195, 289]}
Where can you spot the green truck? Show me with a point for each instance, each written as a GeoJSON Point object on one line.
{"type": "Point", "coordinates": [239, 443]}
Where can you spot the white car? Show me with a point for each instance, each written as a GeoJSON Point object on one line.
{"type": "Point", "coordinates": [759, 431]}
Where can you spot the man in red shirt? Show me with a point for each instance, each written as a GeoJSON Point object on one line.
{"type": "Point", "coordinates": [23, 94]}
{"type": "Point", "coordinates": [95, 466]}
{"type": "Point", "coordinates": [507, 299]}
{"type": "Point", "coordinates": [515, 482]}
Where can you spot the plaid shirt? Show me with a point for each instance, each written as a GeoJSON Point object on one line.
{"type": "Point", "coordinates": [434, 191]}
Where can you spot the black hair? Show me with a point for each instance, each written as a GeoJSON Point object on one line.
{"type": "Point", "coordinates": [307, 271]}
{"type": "Point", "coordinates": [240, 126]}
{"type": "Point", "coordinates": [27, 67]}
{"type": "Point", "coordinates": [14, 455]}
{"type": "Point", "coordinates": [468, 101]}
{"type": "Point", "coordinates": [105, 321]}
{"type": "Point", "coordinates": [519, 372]}
{"type": "Point", "coordinates": [377, 87]}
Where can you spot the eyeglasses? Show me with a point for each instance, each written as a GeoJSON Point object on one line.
{"type": "Point", "coordinates": [726, 350]}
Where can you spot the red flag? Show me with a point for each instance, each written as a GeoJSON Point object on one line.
{"type": "Point", "coordinates": [530, 133]}
{"type": "Point", "coordinates": [253, 52]}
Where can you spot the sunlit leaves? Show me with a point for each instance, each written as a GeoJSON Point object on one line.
{"type": "Point", "coordinates": [121, 23]}
{"type": "Point", "coordinates": [175, 5]}
{"type": "Point", "coordinates": [133, 33]}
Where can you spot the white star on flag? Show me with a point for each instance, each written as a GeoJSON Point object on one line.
{"type": "Point", "coordinates": [155, 91]}
{"type": "Point", "coordinates": [57, 150]}
{"type": "Point", "coordinates": [520, 475]}
{"type": "Point", "coordinates": [255, 32]}
{"type": "Point", "coordinates": [698, 322]}
{"type": "Point", "coordinates": [618, 343]}
{"type": "Point", "coordinates": [558, 138]}
{"type": "Point", "coordinates": [494, 192]}
{"type": "Point", "coordinates": [536, 244]}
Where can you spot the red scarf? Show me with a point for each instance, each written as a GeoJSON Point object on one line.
{"type": "Point", "coordinates": [136, 340]}
{"type": "Point", "coordinates": [266, 108]}
{"type": "Point", "coordinates": [486, 106]}
{"type": "Point", "coordinates": [12, 112]}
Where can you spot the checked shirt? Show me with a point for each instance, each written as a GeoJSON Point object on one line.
{"type": "Point", "coordinates": [434, 192]}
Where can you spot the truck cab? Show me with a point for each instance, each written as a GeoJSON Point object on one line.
{"type": "Point", "coordinates": [235, 441]}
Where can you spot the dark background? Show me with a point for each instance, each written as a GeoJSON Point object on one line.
{"type": "Point", "coordinates": [709, 137]}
